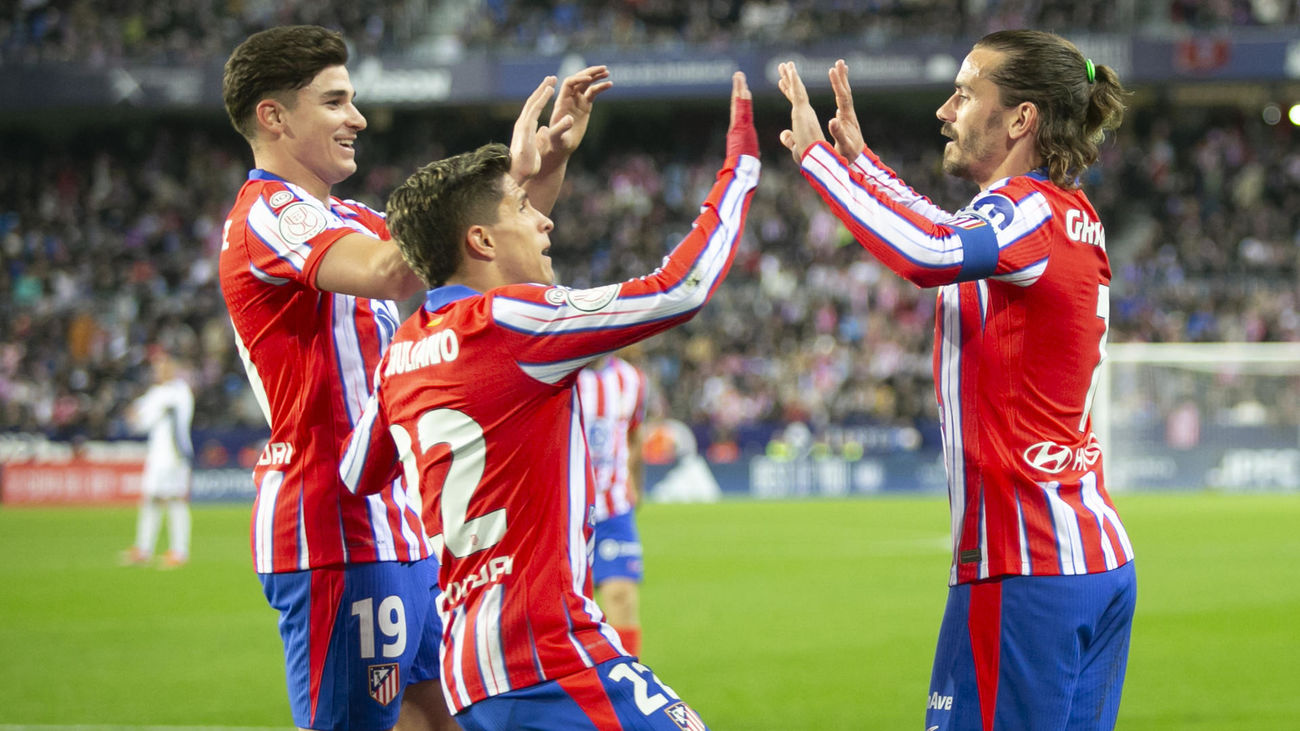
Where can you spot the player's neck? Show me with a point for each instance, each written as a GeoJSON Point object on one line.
{"type": "Point", "coordinates": [1022, 159]}
{"type": "Point", "coordinates": [285, 166]}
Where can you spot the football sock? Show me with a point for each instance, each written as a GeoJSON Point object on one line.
{"type": "Point", "coordinates": [147, 525]}
{"type": "Point", "coordinates": [178, 523]}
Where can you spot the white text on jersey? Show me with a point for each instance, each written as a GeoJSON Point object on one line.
{"type": "Point", "coordinates": [1083, 229]}
{"type": "Point", "coordinates": [492, 571]}
{"type": "Point", "coordinates": [276, 453]}
{"type": "Point", "coordinates": [440, 347]}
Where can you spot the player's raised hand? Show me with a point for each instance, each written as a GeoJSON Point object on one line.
{"type": "Point", "coordinates": [804, 127]}
{"type": "Point", "coordinates": [525, 157]}
{"type": "Point", "coordinates": [844, 127]}
{"type": "Point", "coordinates": [742, 139]}
{"type": "Point", "coordinates": [572, 112]}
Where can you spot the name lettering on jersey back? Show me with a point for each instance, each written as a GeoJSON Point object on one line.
{"type": "Point", "coordinates": [939, 702]}
{"type": "Point", "coordinates": [489, 573]}
{"type": "Point", "coordinates": [1079, 227]}
{"type": "Point", "coordinates": [406, 356]}
{"type": "Point", "coordinates": [276, 453]}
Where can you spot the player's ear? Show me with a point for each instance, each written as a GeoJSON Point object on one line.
{"type": "Point", "coordinates": [270, 115]}
{"type": "Point", "coordinates": [479, 243]}
{"type": "Point", "coordinates": [1025, 120]}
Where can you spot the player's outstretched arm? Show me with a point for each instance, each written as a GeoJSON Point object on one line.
{"type": "Point", "coordinates": [568, 126]}
{"type": "Point", "coordinates": [844, 127]}
{"type": "Point", "coordinates": [804, 130]}
{"type": "Point", "coordinates": [603, 319]}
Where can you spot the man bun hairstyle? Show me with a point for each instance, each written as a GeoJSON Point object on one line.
{"type": "Point", "coordinates": [430, 213]}
{"type": "Point", "coordinates": [1075, 108]}
{"type": "Point", "coordinates": [274, 62]}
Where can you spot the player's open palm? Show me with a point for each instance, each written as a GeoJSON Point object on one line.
{"type": "Point", "coordinates": [844, 127]}
{"type": "Point", "coordinates": [525, 156]}
{"type": "Point", "coordinates": [572, 110]}
{"type": "Point", "coordinates": [804, 127]}
{"type": "Point", "coordinates": [742, 139]}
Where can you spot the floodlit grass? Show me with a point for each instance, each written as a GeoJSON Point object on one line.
{"type": "Point", "coordinates": [763, 615]}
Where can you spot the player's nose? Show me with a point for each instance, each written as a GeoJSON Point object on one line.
{"type": "Point", "coordinates": [357, 120]}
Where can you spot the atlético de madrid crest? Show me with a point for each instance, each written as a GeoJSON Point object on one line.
{"type": "Point", "coordinates": [383, 683]}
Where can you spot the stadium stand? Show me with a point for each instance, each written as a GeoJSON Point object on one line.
{"type": "Point", "coordinates": [110, 227]}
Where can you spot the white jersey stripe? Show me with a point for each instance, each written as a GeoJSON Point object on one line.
{"type": "Point", "coordinates": [263, 276]}
{"type": "Point", "coordinates": [265, 520]}
{"type": "Point", "coordinates": [1104, 510]}
{"type": "Point", "coordinates": [487, 643]}
{"type": "Point", "coordinates": [384, 545]}
{"type": "Point", "coordinates": [1026, 567]}
{"type": "Point", "coordinates": [950, 388]}
{"type": "Point", "coordinates": [579, 559]}
{"type": "Point", "coordinates": [1025, 276]}
{"type": "Point", "coordinates": [254, 378]}
{"type": "Point", "coordinates": [1066, 524]}
{"type": "Point", "coordinates": [899, 232]}
{"type": "Point", "coordinates": [457, 680]}
{"type": "Point", "coordinates": [347, 348]}
{"type": "Point", "coordinates": [555, 372]}
{"type": "Point", "coordinates": [304, 551]}
{"type": "Point", "coordinates": [1093, 502]}
{"type": "Point", "coordinates": [984, 538]}
{"type": "Point", "coordinates": [353, 463]}
{"type": "Point", "coordinates": [685, 296]}
{"type": "Point", "coordinates": [900, 191]}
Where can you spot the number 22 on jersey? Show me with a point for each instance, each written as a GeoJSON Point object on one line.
{"type": "Point", "coordinates": [461, 535]}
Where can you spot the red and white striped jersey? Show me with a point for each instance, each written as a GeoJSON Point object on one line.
{"type": "Point", "coordinates": [1020, 332]}
{"type": "Point", "coordinates": [309, 355]}
{"type": "Point", "coordinates": [476, 401]}
{"type": "Point", "coordinates": [613, 394]}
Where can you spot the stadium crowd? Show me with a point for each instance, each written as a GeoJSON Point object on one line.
{"type": "Point", "coordinates": [198, 31]}
{"type": "Point", "coordinates": [110, 233]}
{"type": "Point", "coordinates": [110, 240]}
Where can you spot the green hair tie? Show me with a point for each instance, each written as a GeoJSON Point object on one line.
{"type": "Point", "coordinates": [1092, 71]}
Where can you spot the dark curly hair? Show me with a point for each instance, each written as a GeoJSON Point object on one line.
{"type": "Point", "coordinates": [429, 214]}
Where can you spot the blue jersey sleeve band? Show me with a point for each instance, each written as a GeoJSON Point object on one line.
{"type": "Point", "coordinates": [979, 252]}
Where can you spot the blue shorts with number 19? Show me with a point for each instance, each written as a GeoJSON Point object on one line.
{"type": "Point", "coordinates": [354, 637]}
{"type": "Point", "coordinates": [616, 695]}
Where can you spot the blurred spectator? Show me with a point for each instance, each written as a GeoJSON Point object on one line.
{"type": "Point", "coordinates": [110, 235]}
{"type": "Point", "coordinates": [199, 31]}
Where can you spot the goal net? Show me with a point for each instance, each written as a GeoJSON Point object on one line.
{"type": "Point", "coordinates": [1197, 415]}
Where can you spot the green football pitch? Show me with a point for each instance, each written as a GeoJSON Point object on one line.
{"type": "Point", "coordinates": [763, 615]}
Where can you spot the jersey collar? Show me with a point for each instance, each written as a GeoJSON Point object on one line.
{"type": "Point", "coordinates": [260, 174]}
{"type": "Point", "coordinates": [436, 299]}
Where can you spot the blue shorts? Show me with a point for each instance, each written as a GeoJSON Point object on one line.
{"type": "Point", "coordinates": [616, 694]}
{"type": "Point", "coordinates": [354, 637]}
{"type": "Point", "coordinates": [618, 550]}
{"type": "Point", "coordinates": [1046, 653]}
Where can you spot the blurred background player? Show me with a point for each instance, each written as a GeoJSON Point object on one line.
{"type": "Point", "coordinates": [1042, 591]}
{"type": "Point", "coordinates": [476, 399]}
{"type": "Point", "coordinates": [165, 412]}
{"type": "Point", "coordinates": [310, 282]}
{"type": "Point", "coordinates": [613, 396]}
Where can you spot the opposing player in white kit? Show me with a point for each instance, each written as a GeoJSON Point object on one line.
{"type": "Point", "coordinates": [475, 402]}
{"type": "Point", "coordinates": [613, 396]}
{"type": "Point", "coordinates": [165, 412]}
